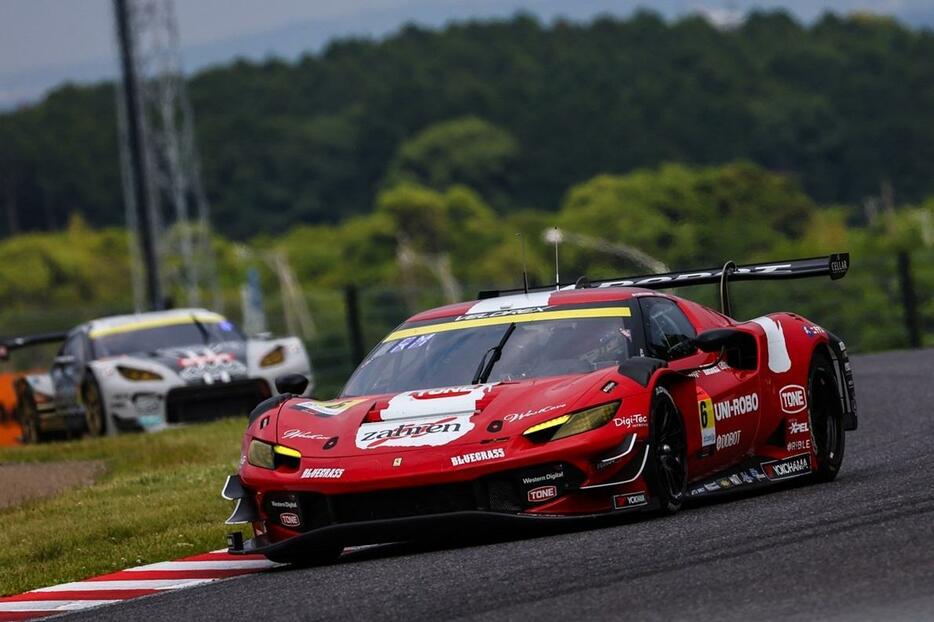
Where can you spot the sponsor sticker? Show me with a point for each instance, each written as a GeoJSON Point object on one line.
{"type": "Point", "coordinates": [283, 505]}
{"type": "Point", "coordinates": [327, 409]}
{"type": "Point", "coordinates": [542, 493]}
{"type": "Point", "coordinates": [460, 400]}
{"type": "Point", "coordinates": [796, 427]}
{"type": "Point", "coordinates": [793, 398]}
{"type": "Point", "coordinates": [289, 519]}
{"type": "Point", "coordinates": [430, 431]}
{"type": "Point", "coordinates": [708, 424]}
{"type": "Point", "coordinates": [478, 456]}
{"type": "Point", "coordinates": [396, 462]}
{"type": "Point", "coordinates": [629, 501]}
{"type": "Point", "coordinates": [632, 421]}
{"type": "Point", "coordinates": [545, 477]}
{"type": "Point", "coordinates": [736, 480]}
{"type": "Point", "coordinates": [303, 434]}
{"type": "Point", "coordinates": [513, 417]}
{"type": "Point", "coordinates": [322, 473]}
{"type": "Point", "coordinates": [787, 468]}
{"type": "Point", "coordinates": [712, 486]}
{"type": "Point", "coordinates": [735, 407]}
{"type": "Point", "coordinates": [813, 330]}
{"type": "Point", "coordinates": [799, 445]}
{"type": "Point", "coordinates": [730, 439]}
{"type": "Point", "coordinates": [609, 386]}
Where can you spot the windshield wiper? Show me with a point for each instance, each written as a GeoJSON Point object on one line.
{"type": "Point", "coordinates": [204, 332]}
{"type": "Point", "coordinates": [485, 368]}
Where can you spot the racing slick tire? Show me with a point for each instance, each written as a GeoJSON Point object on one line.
{"type": "Point", "coordinates": [666, 467]}
{"type": "Point", "coordinates": [305, 557]}
{"type": "Point", "coordinates": [825, 418]}
{"type": "Point", "coordinates": [95, 414]}
{"type": "Point", "coordinates": [29, 420]}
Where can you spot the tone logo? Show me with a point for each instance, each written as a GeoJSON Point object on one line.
{"type": "Point", "coordinates": [793, 398]}
{"type": "Point", "coordinates": [288, 519]}
{"type": "Point", "coordinates": [542, 493]}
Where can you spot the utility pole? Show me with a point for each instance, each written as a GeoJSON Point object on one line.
{"type": "Point", "coordinates": [134, 141]}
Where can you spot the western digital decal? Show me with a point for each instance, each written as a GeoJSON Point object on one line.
{"type": "Point", "coordinates": [432, 431]}
{"type": "Point", "coordinates": [478, 456]}
{"type": "Point", "coordinates": [790, 467]}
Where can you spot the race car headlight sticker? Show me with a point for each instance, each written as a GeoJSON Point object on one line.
{"type": "Point", "coordinates": [267, 456]}
{"type": "Point", "coordinates": [573, 423]}
{"type": "Point", "coordinates": [131, 373]}
{"type": "Point", "coordinates": [273, 357]}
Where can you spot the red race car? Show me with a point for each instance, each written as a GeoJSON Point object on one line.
{"type": "Point", "coordinates": [576, 401]}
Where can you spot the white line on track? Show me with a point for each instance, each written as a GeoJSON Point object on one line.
{"type": "Point", "coordinates": [53, 605]}
{"type": "Point", "coordinates": [143, 584]}
{"type": "Point", "coordinates": [234, 564]}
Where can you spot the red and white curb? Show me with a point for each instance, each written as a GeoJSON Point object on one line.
{"type": "Point", "coordinates": [130, 583]}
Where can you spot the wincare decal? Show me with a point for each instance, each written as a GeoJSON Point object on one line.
{"type": "Point", "coordinates": [328, 409]}
{"type": "Point", "coordinates": [308, 436]}
{"type": "Point", "coordinates": [432, 431]}
{"type": "Point", "coordinates": [444, 401]}
{"type": "Point", "coordinates": [708, 422]}
{"type": "Point", "coordinates": [512, 417]}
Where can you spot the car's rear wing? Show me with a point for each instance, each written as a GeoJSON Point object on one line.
{"type": "Point", "coordinates": [835, 266]}
{"type": "Point", "coordinates": [16, 343]}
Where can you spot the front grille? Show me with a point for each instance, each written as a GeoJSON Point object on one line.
{"type": "Point", "coordinates": [206, 403]}
{"type": "Point", "coordinates": [403, 503]}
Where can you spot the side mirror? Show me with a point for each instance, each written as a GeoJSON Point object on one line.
{"type": "Point", "coordinates": [291, 383]}
{"type": "Point", "coordinates": [64, 360]}
{"type": "Point", "coordinates": [740, 347]}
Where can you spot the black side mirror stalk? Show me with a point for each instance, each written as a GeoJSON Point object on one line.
{"type": "Point", "coordinates": [738, 347]}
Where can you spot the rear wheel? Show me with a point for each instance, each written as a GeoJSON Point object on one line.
{"type": "Point", "coordinates": [95, 414]}
{"type": "Point", "coordinates": [302, 556]}
{"type": "Point", "coordinates": [666, 467]}
{"type": "Point", "coordinates": [825, 418]}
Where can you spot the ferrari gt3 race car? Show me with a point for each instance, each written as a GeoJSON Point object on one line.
{"type": "Point", "coordinates": [577, 401]}
{"type": "Point", "coordinates": [149, 370]}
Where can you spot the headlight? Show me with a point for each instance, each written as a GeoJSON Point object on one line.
{"type": "Point", "coordinates": [131, 373]}
{"type": "Point", "coordinates": [267, 456]}
{"type": "Point", "coordinates": [573, 423]}
{"type": "Point", "coordinates": [273, 357]}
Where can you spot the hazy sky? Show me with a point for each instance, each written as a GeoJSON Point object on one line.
{"type": "Point", "coordinates": [46, 42]}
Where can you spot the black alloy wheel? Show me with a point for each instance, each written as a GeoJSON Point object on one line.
{"type": "Point", "coordinates": [29, 420]}
{"type": "Point", "coordinates": [667, 463]}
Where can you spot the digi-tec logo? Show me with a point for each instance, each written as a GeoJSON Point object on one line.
{"type": "Point", "coordinates": [628, 501]}
{"type": "Point", "coordinates": [478, 456]}
{"type": "Point", "coordinates": [793, 398]}
{"type": "Point", "coordinates": [631, 421]}
{"type": "Point", "coordinates": [542, 493]}
{"type": "Point", "coordinates": [322, 473]}
{"type": "Point", "coordinates": [790, 467]}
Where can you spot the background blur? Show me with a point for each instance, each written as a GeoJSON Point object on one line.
{"type": "Point", "coordinates": [384, 153]}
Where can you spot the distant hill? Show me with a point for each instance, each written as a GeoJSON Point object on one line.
{"type": "Point", "coordinates": [845, 104]}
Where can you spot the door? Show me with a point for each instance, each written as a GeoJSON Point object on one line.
{"type": "Point", "coordinates": [67, 374]}
{"type": "Point", "coordinates": [726, 401]}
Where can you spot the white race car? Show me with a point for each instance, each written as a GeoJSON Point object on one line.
{"type": "Point", "coordinates": [151, 370]}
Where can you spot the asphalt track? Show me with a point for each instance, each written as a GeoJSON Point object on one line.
{"type": "Point", "coordinates": [860, 548]}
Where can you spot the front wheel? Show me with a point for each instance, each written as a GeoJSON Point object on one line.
{"type": "Point", "coordinates": [666, 468]}
{"type": "Point", "coordinates": [95, 415]}
{"type": "Point", "coordinates": [825, 418]}
{"type": "Point", "coordinates": [29, 420]}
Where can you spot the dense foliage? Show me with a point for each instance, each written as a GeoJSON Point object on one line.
{"type": "Point", "coordinates": [514, 109]}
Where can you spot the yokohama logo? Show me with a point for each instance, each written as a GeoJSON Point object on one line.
{"type": "Point", "coordinates": [791, 467]}
{"type": "Point", "coordinates": [793, 398]}
{"type": "Point", "coordinates": [542, 493]}
{"type": "Point", "coordinates": [628, 501]}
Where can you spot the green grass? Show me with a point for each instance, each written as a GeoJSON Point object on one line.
{"type": "Point", "coordinates": [159, 500]}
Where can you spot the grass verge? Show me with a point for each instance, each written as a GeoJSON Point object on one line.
{"type": "Point", "coordinates": [159, 500]}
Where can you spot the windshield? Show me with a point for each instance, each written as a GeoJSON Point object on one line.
{"type": "Point", "coordinates": [185, 333]}
{"type": "Point", "coordinates": [446, 354]}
